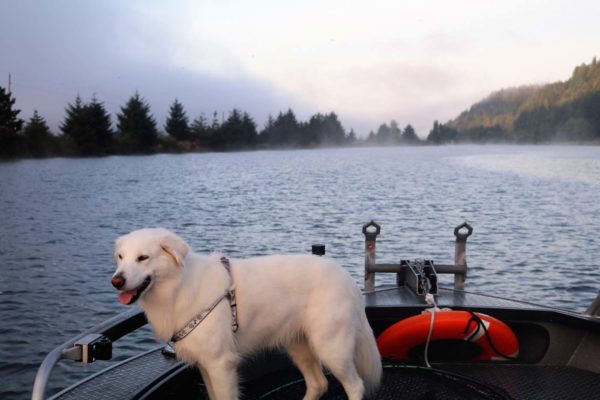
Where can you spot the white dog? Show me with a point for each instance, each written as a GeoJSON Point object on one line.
{"type": "Point", "coordinates": [306, 304]}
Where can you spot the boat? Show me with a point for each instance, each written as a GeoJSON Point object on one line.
{"type": "Point", "coordinates": [557, 354]}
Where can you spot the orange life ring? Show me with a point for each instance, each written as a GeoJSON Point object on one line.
{"type": "Point", "coordinates": [499, 343]}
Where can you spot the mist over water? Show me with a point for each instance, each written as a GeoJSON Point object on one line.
{"type": "Point", "coordinates": [534, 210]}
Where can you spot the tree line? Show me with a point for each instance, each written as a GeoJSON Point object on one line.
{"type": "Point", "coordinates": [87, 130]}
{"type": "Point", "coordinates": [560, 111]}
{"type": "Point", "coordinates": [565, 111]}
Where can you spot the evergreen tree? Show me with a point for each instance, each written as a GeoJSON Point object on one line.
{"type": "Point", "coordinates": [225, 137]}
{"type": "Point", "coordinates": [177, 122]}
{"type": "Point", "coordinates": [38, 138]}
{"type": "Point", "coordinates": [10, 126]}
{"type": "Point", "coordinates": [325, 130]}
{"type": "Point", "coordinates": [266, 134]}
{"type": "Point", "coordinates": [237, 132]}
{"type": "Point", "coordinates": [434, 134]}
{"type": "Point", "coordinates": [395, 132]}
{"type": "Point", "coordinates": [87, 128]}
{"type": "Point", "coordinates": [313, 131]}
{"type": "Point", "coordinates": [136, 126]}
{"type": "Point", "coordinates": [351, 137]}
{"type": "Point", "coordinates": [99, 123]}
{"type": "Point", "coordinates": [384, 135]}
{"type": "Point", "coordinates": [77, 137]}
{"type": "Point", "coordinates": [249, 134]}
{"type": "Point", "coordinates": [285, 131]}
{"type": "Point", "coordinates": [409, 135]}
{"type": "Point", "coordinates": [200, 132]}
{"type": "Point", "coordinates": [442, 134]}
{"type": "Point", "coordinates": [215, 121]}
{"type": "Point", "coordinates": [371, 137]}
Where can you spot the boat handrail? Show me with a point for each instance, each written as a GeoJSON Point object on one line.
{"type": "Point", "coordinates": [371, 230]}
{"type": "Point", "coordinates": [111, 329]}
{"type": "Point", "coordinates": [594, 309]}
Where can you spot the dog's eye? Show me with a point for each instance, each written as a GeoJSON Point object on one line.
{"type": "Point", "coordinates": [142, 258]}
{"type": "Point", "coordinates": [120, 256]}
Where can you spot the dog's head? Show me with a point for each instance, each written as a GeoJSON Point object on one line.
{"type": "Point", "coordinates": [144, 257]}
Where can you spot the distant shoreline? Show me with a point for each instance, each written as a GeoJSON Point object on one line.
{"type": "Point", "coordinates": [589, 143]}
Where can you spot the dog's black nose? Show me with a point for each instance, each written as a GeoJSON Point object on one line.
{"type": "Point", "coordinates": [118, 281]}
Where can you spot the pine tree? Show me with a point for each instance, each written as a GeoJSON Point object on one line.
{"type": "Point", "coordinates": [200, 132]}
{"type": "Point", "coordinates": [434, 134]}
{"type": "Point", "coordinates": [87, 128]}
{"type": "Point", "coordinates": [78, 138]}
{"type": "Point", "coordinates": [10, 126]}
{"type": "Point", "coordinates": [267, 133]}
{"type": "Point", "coordinates": [333, 132]}
{"type": "Point", "coordinates": [384, 135]}
{"type": "Point", "coordinates": [285, 131]}
{"type": "Point", "coordinates": [177, 122]}
{"type": "Point", "coordinates": [395, 132]}
{"type": "Point", "coordinates": [371, 138]}
{"type": "Point", "coordinates": [249, 133]}
{"type": "Point", "coordinates": [351, 137]}
{"type": "Point", "coordinates": [323, 129]}
{"type": "Point", "coordinates": [409, 135]}
{"type": "Point", "coordinates": [38, 138]}
{"type": "Point", "coordinates": [99, 122]}
{"type": "Point", "coordinates": [442, 134]}
{"type": "Point", "coordinates": [136, 126]}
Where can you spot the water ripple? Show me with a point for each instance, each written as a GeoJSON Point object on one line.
{"type": "Point", "coordinates": [535, 212]}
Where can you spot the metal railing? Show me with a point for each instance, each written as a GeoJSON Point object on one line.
{"type": "Point", "coordinates": [93, 344]}
{"type": "Point", "coordinates": [371, 230]}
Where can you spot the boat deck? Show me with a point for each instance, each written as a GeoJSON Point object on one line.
{"type": "Point", "coordinates": [161, 376]}
{"type": "Point", "coordinates": [512, 381]}
{"type": "Point", "coordinates": [534, 381]}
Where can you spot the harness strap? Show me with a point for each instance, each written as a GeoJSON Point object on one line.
{"type": "Point", "coordinates": [230, 294]}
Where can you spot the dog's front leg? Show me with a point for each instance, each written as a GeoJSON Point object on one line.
{"type": "Point", "coordinates": [222, 375]}
{"type": "Point", "coordinates": [206, 380]}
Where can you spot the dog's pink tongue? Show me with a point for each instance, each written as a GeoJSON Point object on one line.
{"type": "Point", "coordinates": [126, 296]}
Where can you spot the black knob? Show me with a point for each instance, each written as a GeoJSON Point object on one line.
{"type": "Point", "coordinates": [318, 249]}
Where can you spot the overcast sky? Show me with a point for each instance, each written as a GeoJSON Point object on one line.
{"type": "Point", "coordinates": [369, 61]}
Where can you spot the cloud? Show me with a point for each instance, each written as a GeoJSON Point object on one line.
{"type": "Point", "coordinates": [413, 62]}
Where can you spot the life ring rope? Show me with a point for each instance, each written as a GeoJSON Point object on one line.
{"type": "Point", "coordinates": [496, 340]}
{"type": "Point", "coordinates": [484, 325]}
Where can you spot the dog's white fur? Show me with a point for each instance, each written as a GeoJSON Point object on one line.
{"type": "Point", "coordinates": [303, 303]}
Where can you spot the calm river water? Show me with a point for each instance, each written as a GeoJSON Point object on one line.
{"type": "Point", "coordinates": [535, 210]}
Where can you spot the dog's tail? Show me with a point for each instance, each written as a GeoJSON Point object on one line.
{"type": "Point", "coordinates": [367, 358]}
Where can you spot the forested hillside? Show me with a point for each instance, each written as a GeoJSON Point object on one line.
{"type": "Point", "coordinates": [565, 111]}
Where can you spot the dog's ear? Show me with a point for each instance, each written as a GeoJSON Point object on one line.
{"type": "Point", "coordinates": [118, 242]}
{"type": "Point", "coordinates": [175, 247]}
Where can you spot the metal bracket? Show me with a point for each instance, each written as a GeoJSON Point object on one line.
{"type": "Point", "coordinates": [371, 235]}
{"type": "Point", "coordinates": [89, 348]}
{"type": "Point", "coordinates": [459, 269]}
{"type": "Point", "coordinates": [420, 276]}
{"type": "Point", "coordinates": [463, 236]}
{"type": "Point", "coordinates": [370, 230]}
{"type": "Point", "coordinates": [168, 351]}
{"type": "Point", "coordinates": [460, 253]}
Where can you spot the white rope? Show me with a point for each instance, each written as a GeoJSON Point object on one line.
{"type": "Point", "coordinates": [430, 299]}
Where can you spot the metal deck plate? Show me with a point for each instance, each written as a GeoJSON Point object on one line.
{"type": "Point", "coordinates": [125, 380]}
{"type": "Point", "coordinates": [535, 382]}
